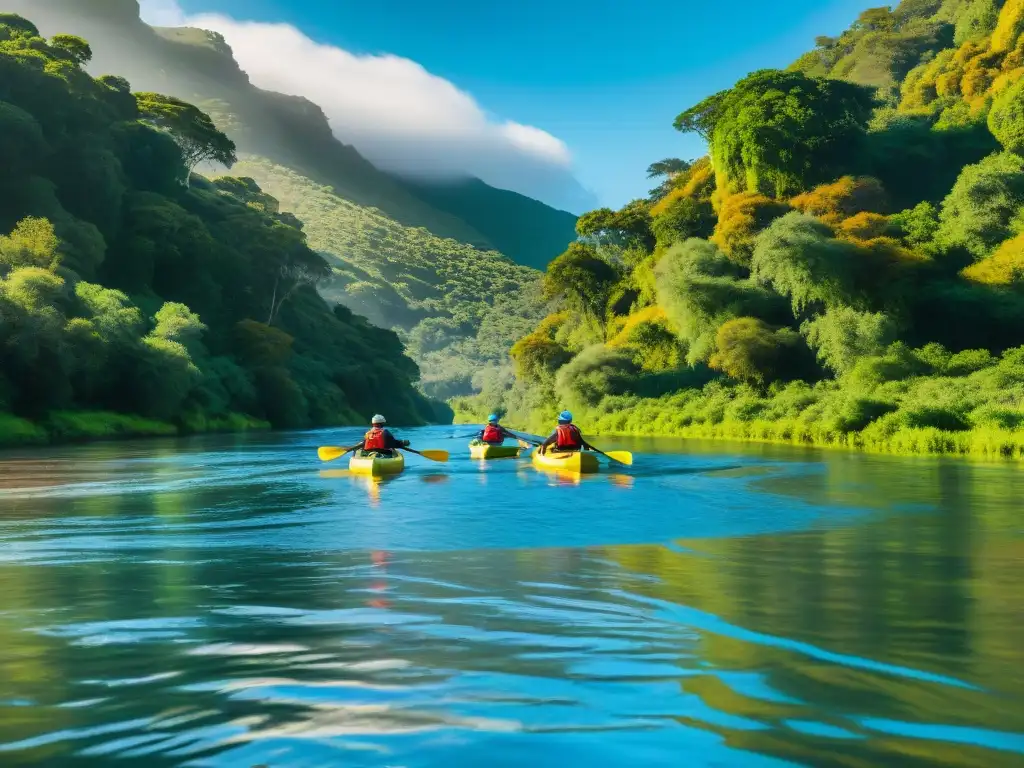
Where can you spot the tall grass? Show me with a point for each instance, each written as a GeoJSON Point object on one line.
{"type": "Point", "coordinates": [74, 426]}
{"type": "Point", "coordinates": [15, 431]}
{"type": "Point", "coordinates": [904, 401]}
{"type": "Point", "coordinates": [83, 426]}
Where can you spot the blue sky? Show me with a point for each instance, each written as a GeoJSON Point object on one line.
{"type": "Point", "coordinates": [606, 78]}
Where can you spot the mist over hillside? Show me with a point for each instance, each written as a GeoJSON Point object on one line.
{"type": "Point", "coordinates": [198, 66]}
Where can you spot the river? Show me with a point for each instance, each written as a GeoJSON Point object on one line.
{"type": "Point", "coordinates": [230, 601]}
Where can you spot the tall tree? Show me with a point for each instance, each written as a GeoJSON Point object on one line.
{"type": "Point", "coordinates": [193, 130]}
{"type": "Point", "coordinates": [74, 46]}
{"type": "Point", "coordinates": [779, 133]}
{"type": "Point", "coordinates": [667, 167]}
{"type": "Point", "coordinates": [582, 278]}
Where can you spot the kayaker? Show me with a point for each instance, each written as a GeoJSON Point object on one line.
{"type": "Point", "coordinates": [493, 433]}
{"type": "Point", "coordinates": [379, 439]}
{"type": "Point", "coordinates": [566, 437]}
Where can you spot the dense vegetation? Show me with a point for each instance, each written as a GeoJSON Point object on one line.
{"type": "Point", "coordinates": [458, 309]}
{"type": "Point", "coordinates": [198, 66]}
{"type": "Point", "coordinates": [416, 257]}
{"type": "Point", "coordinates": [135, 298]}
{"type": "Point", "coordinates": [845, 267]}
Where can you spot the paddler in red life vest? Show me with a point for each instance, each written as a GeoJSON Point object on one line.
{"type": "Point", "coordinates": [566, 437]}
{"type": "Point", "coordinates": [379, 440]}
{"type": "Point", "coordinates": [493, 433]}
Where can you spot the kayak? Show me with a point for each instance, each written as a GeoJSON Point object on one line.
{"type": "Point", "coordinates": [478, 450]}
{"type": "Point", "coordinates": [374, 465]}
{"type": "Point", "coordinates": [577, 462]}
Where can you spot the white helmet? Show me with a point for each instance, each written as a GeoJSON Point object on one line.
{"type": "Point", "coordinates": [378, 419]}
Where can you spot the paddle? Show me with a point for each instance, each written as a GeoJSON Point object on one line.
{"type": "Point", "coordinates": [331, 452]}
{"type": "Point", "coordinates": [432, 455]}
{"type": "Point", "coordinates": [525, 438]}
{"type": "Point", "coordinates": [622, 457]}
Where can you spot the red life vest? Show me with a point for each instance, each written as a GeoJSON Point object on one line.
{"type": "Point", "coordinates": [374, 440]}
{"type": "Point", "coordinates": [568, 437]}
{"type": "Point", "coordinates": [493, 434]}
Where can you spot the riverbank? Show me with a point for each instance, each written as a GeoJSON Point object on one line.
{"type": "Point", "coordinates": [981, 442]}
{"type": "Point", "coordinates": [87, 426]}
{"type": "Point", "coordinates": [986, 443]}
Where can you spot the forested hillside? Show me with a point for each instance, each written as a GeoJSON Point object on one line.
{"type": "Point", "coordinates": [405, 252]}
{"type": "Point", "coordinates": [456, 308]}
{"type": "Point", "coordinates": [137, 299]}
{"type": "Point", "coordinates": [845, 266]}
{"type": "Point", "coordinates": [198, 66]}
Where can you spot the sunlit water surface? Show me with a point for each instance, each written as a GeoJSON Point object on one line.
{"type": "Point", "coordinates": [229, 601]}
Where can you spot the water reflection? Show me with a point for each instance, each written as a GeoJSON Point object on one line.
{"type": "Point", "coordinates": [873, 620]}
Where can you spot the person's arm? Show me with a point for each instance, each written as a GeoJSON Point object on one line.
{"type": "Point", "coordinates": [356, 447]}
{"type": "Point", "coordinates": [394, 442]}
{"type": "Point", "coordinates": [583, 440]}
{"type": "Point", "coordinates": [552, 438]}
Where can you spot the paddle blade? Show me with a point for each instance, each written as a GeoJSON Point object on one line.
{"type": "Point", "coordinates": [624, 457]}
{"type": "Point", "coordinates": [330, 452]}
{"type": "Point", "coordinates": [434, 455]}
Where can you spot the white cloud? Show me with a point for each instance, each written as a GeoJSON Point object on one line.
{"type": "Point", "coordinates": [395, 112]}
{"type": "Point", "coordinates": [162, 13]}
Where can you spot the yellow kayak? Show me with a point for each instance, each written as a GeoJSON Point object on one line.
{"type": "Point", "coordinates": [375, 465]}
{"type": "Point", "coordinates": [577, 462]}
{"type": "Point", "coordinates": [478, 450]}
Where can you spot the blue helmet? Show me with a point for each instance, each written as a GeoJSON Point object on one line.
{"type": "Point", "coordinates": [492, 419]}
{"type": "Point", "coordinates": [565, 416]}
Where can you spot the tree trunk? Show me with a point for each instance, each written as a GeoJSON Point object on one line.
{"type": "Point", "coordinates": [273, 302]}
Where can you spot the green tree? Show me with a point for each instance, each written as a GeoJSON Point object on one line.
{"type": "Point", "coordinates": [683, 218]}
{"type": "Point", "coordinates": [801, 259]}
{"type": "Point", "coordinates": [918, 224]}
{"type": "Point", "coordinates": [780, 133]}
{"type": "Point", "coordinates": [582, 279]}
{"type": "Point", "coordinates": [194, 132]}
{"type": "Point", "coordinates": [981, 210]}
{"type": "Point", "coordinates": [700, 288]}
{"type": "Point", "coordinates": [33, 243]}
{"type": "Point", "coordinates": [702, 118]}
{"type": "Point", "coordinates": [842, 336]}
{"type": "Point", "coordinates": [537, 356]}
{"type": "Point", "coordinates": [631, 224]}
{"type": "Point", "coordinates": [1006, 118]}
{"type": "Point", "coordinates": [23, 146]}
{"type": "Point", "coordinates": [594, 374]}
{"type": "Point", "coordinates": [876, 20]}
{"type": "Point", "coordinates": [667, 167]}
{"type": "Point", "coordinates": [747, 349]}
{"type": "Point", "coordinates": [76, 48]}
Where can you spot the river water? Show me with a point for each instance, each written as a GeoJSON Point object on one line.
{"type": "Point", "coordinates": [230, 601]}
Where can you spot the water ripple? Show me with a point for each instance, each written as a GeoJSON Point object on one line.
{"type": "Point", "coordinates": [228, 606]}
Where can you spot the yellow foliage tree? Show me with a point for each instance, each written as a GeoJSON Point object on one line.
{"type": "Point", "coordinates": [696, 183]}
{"type": "Point", "coordinates": [973, 73]}
{"type": "Point", "coordinates": [864, 226]}
{"type": "Point", "coordinates": [832, 203]}
{"type": "Point", "coordinates": [649, 333]}
{"type": "Point", "coordinates": [1004, 267]}
{"type": "Point", "coordinates": [748, 349]}
{"type": "Point", "coordinates": [1009, 26]}
{"type": "Point", "coordinates": [741, 217]}
{"type": "Point", "coordinates": [538, 354]}
{"type": "Point", "coordinates": [700, 179]}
